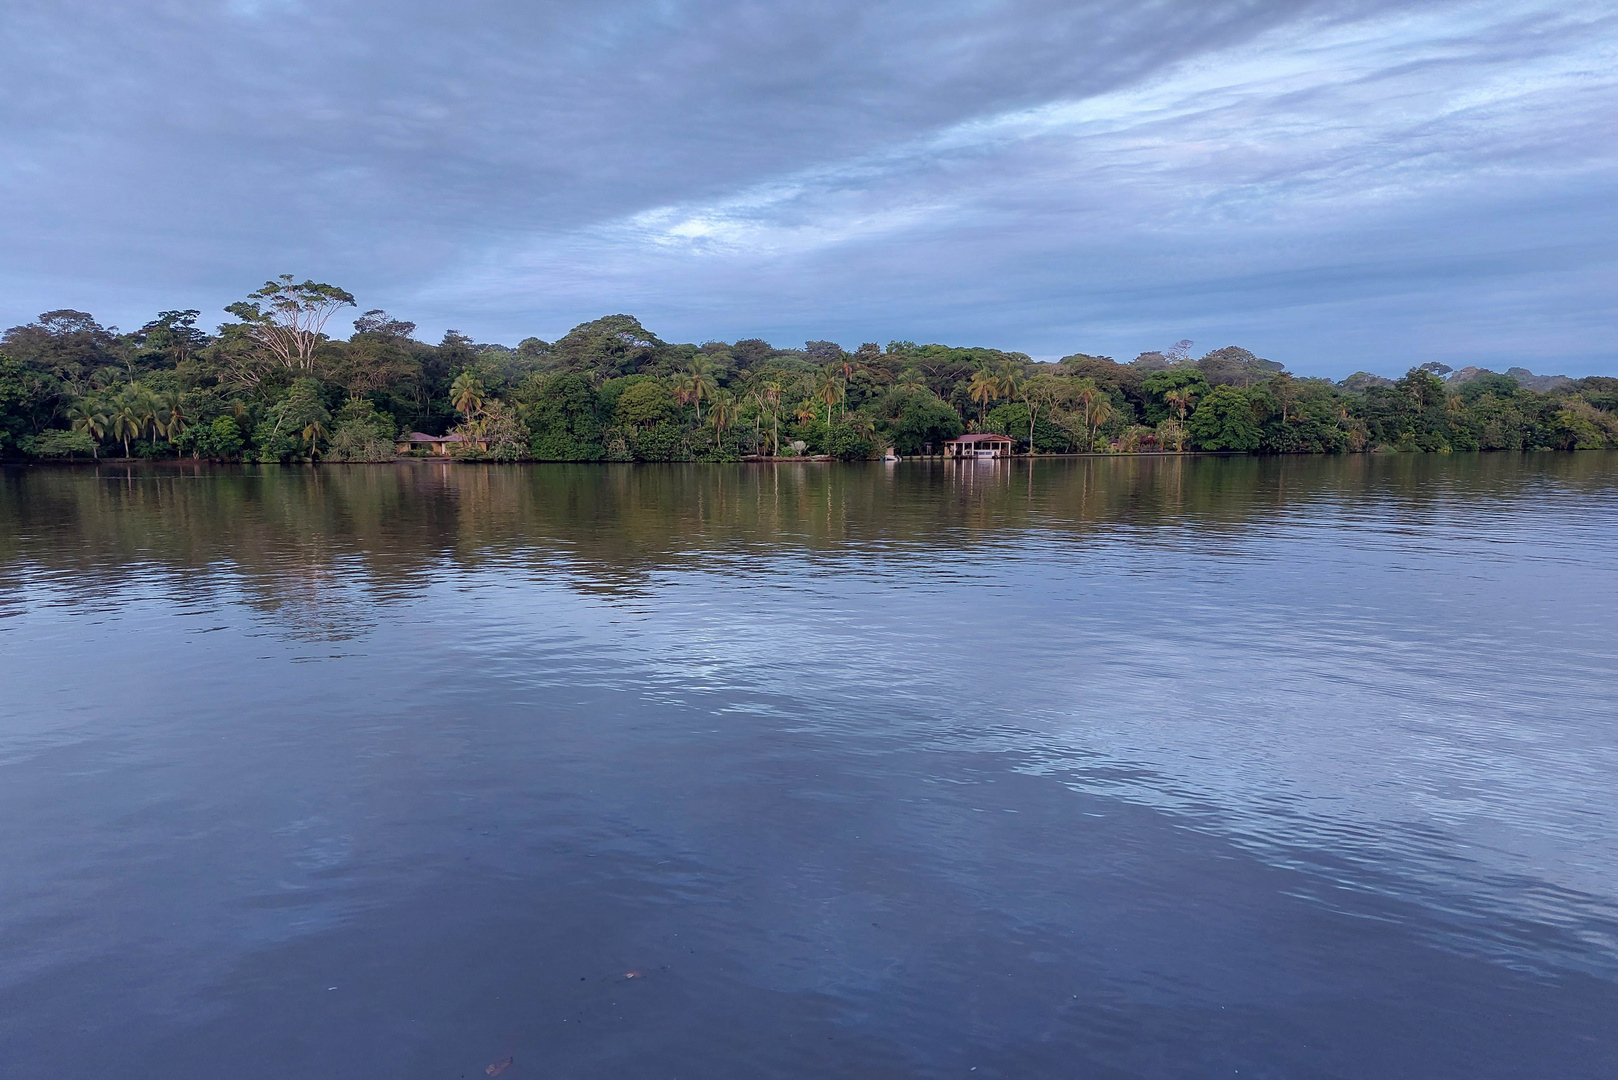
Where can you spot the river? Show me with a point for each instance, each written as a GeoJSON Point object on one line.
{"type": "Point", "coordinates": [1299, 767]}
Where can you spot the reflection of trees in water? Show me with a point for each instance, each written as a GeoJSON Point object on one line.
{"type": "Point", "coordinates": [322, 547]}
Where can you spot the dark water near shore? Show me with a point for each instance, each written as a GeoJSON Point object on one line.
{"type": "Point", "coordinates": [1133, 768]}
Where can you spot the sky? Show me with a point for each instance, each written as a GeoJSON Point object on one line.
{"type": "Point", "coordinates": [1339, 186]}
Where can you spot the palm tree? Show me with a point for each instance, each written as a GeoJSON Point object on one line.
{"type": "Point", "coordinates": [983, 388]}
{"type": "Point", "coordinates": [174, 407]}
{"type": "Point", "coordinates": [150, 408]}
{"type": "Point", "coordinates": [466, 394]}
{"type": "Point", "coordinates": [683, 390]}
{"type": "Point", "coordinates": [699, 380]}
{"type": "Point", "coordinates": [313, 432]}
{"type": "Point", "coordinates": [724, 412]}
{"type": "Point", "coordinates": [1099, 412]}
{"type": "Point", "coordinates": [87, 417]}
{"type": "Point", "coordinates": [1096, 405]}
{"type": "Point", "coordinates": [848, 366]}
{"type": "Point", "coordinates": [1171, 431]}
{"type": "Point", "coordinates": [771, 395]}
{"type": "Point", "coordinates": [1009, 377]}
{"type": "Point", "coordinates": [830, 388]}
{"type": "Point", "coordinates": [126, 420]}
{"type": "Point", "coordinates": [1087, 395]}
{"type": "Point", "coordinates": [1181, 400]}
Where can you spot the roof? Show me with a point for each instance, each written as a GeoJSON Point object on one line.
{"type": "Point", "coordinates": [983, 437]}
{"type": "Point", "coordinates": [418, 437]}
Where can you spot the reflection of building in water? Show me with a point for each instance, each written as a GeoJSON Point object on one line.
{"type": "Point", "coordinates": [980, 446]}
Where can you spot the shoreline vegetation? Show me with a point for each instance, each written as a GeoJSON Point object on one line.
{"type": "Point", "coordinates": [273, 386]}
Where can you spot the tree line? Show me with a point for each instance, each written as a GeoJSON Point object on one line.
{"type": "Point", "coordinates": [274, 386]}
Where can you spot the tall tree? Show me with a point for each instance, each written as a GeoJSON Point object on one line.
{"type": "Point", "coordinates": [1096, 405]}
{"type": "Point", "coordinates": [126, 419]}
{"type": "Point", "coordinates": [1043, 391]}
{"type": "Point", "coordinates": [88, 415]}
{"type": "Point", "coordinates": [984, 388]}
{"type": "Point", "coordinates": [288, 319]}
{"type": "Point", "coordinates": [173, 335]}
{"type": "Point", "coordinates": [466, 394]}
{"type": "Point", "coordinates": [67, 348]}
{"type": "Point", "coordinates": [829, 387]}
{"type": "Point", "coordinates": [723, 414]}
{"type": "Point", "coordinates": [699, 373]}
{"type": "Point", "coordinates": [1225, 421]}
{"type": "Point", "coordinates": [1180, 399]}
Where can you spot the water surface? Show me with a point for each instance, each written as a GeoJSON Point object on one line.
{"type": "Point", "coordinates": [1102, 768]}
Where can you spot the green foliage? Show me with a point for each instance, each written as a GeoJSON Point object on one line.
{"type": "Point", "coordinates": [286, 319]}
{"type": "Point", "coordinates": [14, 400]}
{"type": "Point", "coordinates": [68, 348]}
{"type": "Point", "coordinates": [508, 438]}
{"type": "Point", "coordinates": [1501, 386]}
{"type": "Point", "coordinates": [267, 385]}
{"type": "Point", "coordinates": [1303, 416]}
{"type": "Point", "coordinates": [362, 434]}
{"type": "Point", "coordinates": [1578, 425]}
{"type": "Point", "coordinates": [1224, 421]}
{"type": "Point", "coordinates": [662, 441]}
{"type": "Point", "coordinates": [848, 441]}
{"type": "Point", "coordinates": [1235, 366]}
{"type": "Point", "coordinates": [218, 440]}
{"type": "Point", "coordinates": [57, 443]}
{"type": "Point", "coordinates": [172, 337]}
{"type": "Point", "coordinates": [496, 434]}
{"type": "Point", "coordinates": [612, 346]}
{"type": "Point", "coordinates": [564, 414]}
{"type": "Point", "coordinates": [1158, 385]}
{"type": "Point", "coordinates": [1011, 419]}
{"type": "Point", "coordinates": [645, 402]}
{"type": "Point", "coordinates": [913, 418]}
{"type": "Point", "coordinates": [280, 435]}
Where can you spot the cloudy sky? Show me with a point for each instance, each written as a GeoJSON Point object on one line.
{"type": "Point", "coordinates": [1336, 185]}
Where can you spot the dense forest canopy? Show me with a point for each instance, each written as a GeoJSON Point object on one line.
{"type": "Point", "coordinates": [276, 386]}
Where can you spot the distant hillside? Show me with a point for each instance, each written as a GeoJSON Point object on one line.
{"type": "Point", "coordinates": [1526, 379]}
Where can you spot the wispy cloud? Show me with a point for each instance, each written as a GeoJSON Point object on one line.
{"type": "Point", "coordinates": [1339, 185]}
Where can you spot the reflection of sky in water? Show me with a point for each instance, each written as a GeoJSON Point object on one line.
{"type": "Point", "coordinates": [1402, 692]}
{"type": "Point", "coordinates": [1416, 708]}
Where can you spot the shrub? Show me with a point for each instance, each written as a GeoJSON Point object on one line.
{"type": "Point", "coordinates": [59, 444]}
{"type": "Point", "coordinates": [1224, 421]}
{"type": "Point", "coordinates": [362, 434]}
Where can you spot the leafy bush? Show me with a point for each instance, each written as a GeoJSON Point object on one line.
{"type": "Point", "coordinates": [846, 443]}
{"type": "Point", "coordinates": [57, 443]}
{"type": "Point", "coordinates": [660, 442]}
{"type": "Point", "coordinates": [362, 434]}
{"type": "Point", "coordinates": [1224, 421]}
{"type": "Point", "coordinates": [564, 415]}
{"type": "Point", "coordinates": [295, 425]}
{"type": "Point", "coordinates": [911, 419]}
{"type": "Point", "coordinates": [220, 440]}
